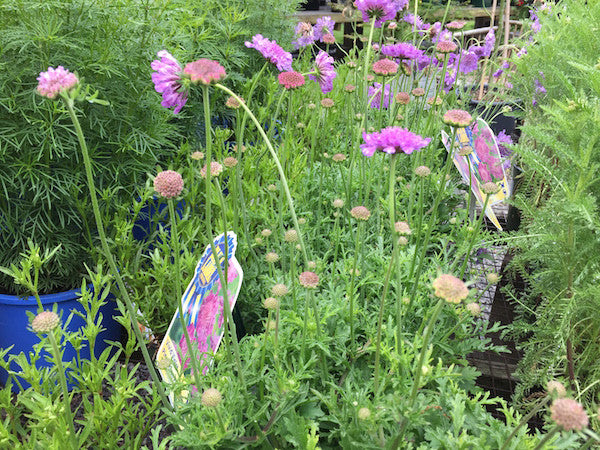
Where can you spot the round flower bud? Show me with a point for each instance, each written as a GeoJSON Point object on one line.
{"type": "Point", "coordinates": [360, 213]}
{"type": "Point", "coordinates": [402, 228]}
{"type": "Point", "coordinates": [271, 188]}
{"type": "Point", "coordinates": [338, 203]}
{"type": "Point", "coordinates": [230, 162]}
{"type": "Point", "coordinates": [338, 157]}
{"type": "Point", "coordinates": [418, 92]}
{"type": "Point", "coordinates": [474, 309]}
{"type": "Point", "coordinates": [492, 278]}
{"type": "Point", "coordinates": [258, 240]}
{"type": "Point", "coordinates": [364, 413]}
{"type": "Point", "coordinates": [301, 221]}
{"type": "Point", "coordinates": [457, 118]}
{"type": "Point", "coordinates": [555, 387]}
{"type": "Point", "coordinates": [266, 232]}
{"type": "Point", "coordinates": [327, 103]}
{"type": "Point", "coordinates": [309, 279]}
{"type": "Point", "coordinates": [233, 102]}
{"type": "Point", "coordinates": [215, 169]}
{"type": "Point", "coordinates": [291, 236]}
{"type": "Point", "coordinates": [311, 265]}
{"type": "Point", "coordinates": [197, 156]}
{"type": "Point", "coordinates": [490, 188]}
{"type": "Point", "coordinates": [453, 220]}
{"type": "Point", "coordinates": [445, 47]}
{"type": "Point", "coordinates": [311, 106]}
{"type": "Point", "coordinates": [211, 398]}
{"type": "Point", "coordinates": [279, 290]}
{"type": "Point", "coordinates": [45, 322]}
{"type": "Point", "coordinates": [168, 183]}
{"type": "Point", "coordinates": [271, 257]}
{"type": "Point", "coordinates": [422, 171]}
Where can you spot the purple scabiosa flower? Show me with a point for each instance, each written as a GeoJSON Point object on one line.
{"type": "Point", "coordinates": [468, 62]}
{"type": "Point", "coordinates": [536, 26]}
{"type": "Point", "coordinates": [503, 141]}
{"type": "Point", "coordinates": [374, 95]}
{"type": "Point", "coordinates": [271, 51]}
{"type": "Point", "coordinates": [402, 50]}
{"type": "Point", "coordinates": [325, 72]}
{"type": "Point", "coordinates": [416, 21]}
{"type": "Point", "coordinates": [323, 27]}
{"type": "Point", "coordinates": [167, 81]}
{"type": "Point", "coordinates": [305, 35]}
{"type": "Point", "coordinates": [393, 140]}
{"type": "Point", "coordinates": [53, 81]}
{"type": "Point", "coordinates": [204, 71]}
{"type": "Point", "coordinates": [380, 10]}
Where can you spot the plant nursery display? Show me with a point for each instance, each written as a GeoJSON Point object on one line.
{"type": "Point", "coordinates": [290, 243]}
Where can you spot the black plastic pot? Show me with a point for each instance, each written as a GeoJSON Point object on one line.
{"type": "Point", "coordinates": [310, 5]}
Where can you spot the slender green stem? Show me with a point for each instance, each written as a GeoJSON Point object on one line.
{"type": "Point", "coordinates": [263, 355]}
{"type": "Point", "coordinates": [474, 236]}
{"type": "Point", "coordinates": [542, 444]}
{"type": "Point", "coordinates": [524, 420]}
{"type": "Point", "coordinates": [63, 384]}
{"type": "Point", "coordinates": [277, 164]}
{"type": "Point", "coordinates": [418, 368]}
{"type": "Point", "coordinates": [191, 351]}
{"type": "Point", "coordinates": [352, 279]}
{"type": "Point", "coordinates": [109, 257]}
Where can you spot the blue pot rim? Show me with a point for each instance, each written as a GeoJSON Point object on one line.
{"type": "Point", "coordinates": [45, 299]}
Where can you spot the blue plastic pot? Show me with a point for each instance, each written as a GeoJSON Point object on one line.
{"type": "Point", "coordinates": [14, 326]}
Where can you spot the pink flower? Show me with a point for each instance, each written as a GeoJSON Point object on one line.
{"type": "Point", "coordinates": [385, 67]}
{"type": "Point", "coordinates": [291, 80]}
{"type": "Point", "coordinates": [393, 140]}
{"type": "Point", "coordinates": [168, 183]}
{"type": "Point", "coordinates": [167, 81]}
{"type": "Point", "coordinates": [271, 51]}
{"type": "Point", "coordinates": [569, 414]}
{"type": "Point", "coordinates": [380, 10]}
{"type": "Point", "coordinates": [204, 71]}
{"type": "Point", "coordinates": [53, 81]}
{"type": "Point", "coordinates": [325, 73]}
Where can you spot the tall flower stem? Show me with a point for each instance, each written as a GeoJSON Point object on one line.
{"type": "Point", "coordinates": [109, 257]}
{"type": "Point", "coordinates": [418, 369]}
{"type": "Point", "coordinates": [542, 444]}
{"type": "Point", "coordinates": [63, 385]}
{"type": "Point", "coordinates": [277, 164]}
{"type": "Point", "coordinates": [208, 200]}
{"type": "Point", "coordinates": [191, 351]}
{"type": "Point", "coordinates": [352, 279]}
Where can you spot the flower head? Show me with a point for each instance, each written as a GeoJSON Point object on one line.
{"type": "Point", "coordinates": [233, 102]}
{"type": "Point", "coordinates": [402, 98]}
{"type": "Point", "coordinates": [456, 25]}
{"type": "Point", "coordinates": [324, 27]}
{"type": "Point", "coordinates": [490, 188]}
{"type": "Point", "coordinates": [325, 72]}
{"type": "Point", "coordinates": [215, 169]}
{"type": "Point", "coordinates": [291, 79]}
{"type": "Point", "coordinates": [205, 71]}
{"type": "Point", "coordinates": [418, 92]}
{"type": "Point", "coordinates": [474, 309]}
{"type": "Point", "coordinates": [230, 162]}
{"type": "Point", "coordinates": [380, 10]}
{"type": "Point", "coordinates": [291, 236]}
{"type": "Point", "coordinates": [569, 414]}
{"type": "Point", "coordinates": [422, 171]}
{"type": "Point", "coordinates": [168, 183]}
{"type": "Point", "coordinates": [385, 67]}
{"type": "Point", "coordinates": [450, 288]}
{"type": "Point", "coordinates": [271, 51]}
{"type": "Point", "coordinates": [328, 38]}
{"type": "Point", "coordinates": [556, 387]}
{"type": "Point", "coordinates": [457, 118]}
{"type": "Point", "coordinates": [445, 47]}
{"type": "Point", "coordinates": [350, 88]}
{"type": "Point", "coordinates": [338, 203]}
{"type": "Point", "coordinates": [309, 279]}
{"type": "Point", "coordinates": [402, 228]}
{"type": "Point", "coordinates": [360, 213]}
{"type": "Point", "coordinates": [271, 257]}
{"type": "Point", "coordinates": [271, 303]}
{"type": "Point", "coordinates": [392, 140]}
{"type": "Point", "coordinates": [279, 290]}
{"type": "Point", "coordinates": [374, 95]}
{"type": "Point", "coordinates": [364, 413]}
{"type": "Point", "coordinates": [45, 322]}
{"type": "Point", "coordinates": [327, 103]}
{"type": "Point", "coordinates": [167, 81]}
{"type": "Point", "coordinates": [54, 81]}
{"type": "Point", "coordinates": [338, 157]}
{"type": "Point", "coordinates": [197, 156]}
{"type": "Point", "coordinates": [211, 398]}
{"type": "Point", "coordinates": [402, 50]}
{"type": "Point", "coordinates": [305, 35]}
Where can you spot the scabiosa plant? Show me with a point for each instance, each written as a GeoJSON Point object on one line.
{"type": "Point", "coordinates": [305, 35]}
{"type": "Point", "coordinates": [291, 79]}
{"type": "Point", "coordinates": [375, 96]}
{"type": "Point", "coordinates": [402, 50]}
{"type": "Point", "coordinates": [385, 67]}
{"type": "Point", "coordinates": [392, 140]}
{"type": "Point", "coordinates": [324, 73]}
{"type": "Point", "coordinates": [54, 81]}
{"type": "Point", "coordinates": [457, 118]}
{"type": "Point", "coordinates": [205, 71]}
{"type": "Point", "coordinates": [272, 52]}
{"type": "Point", "coordinates": [167, 81]}
{"type": "Point", "coordinates": [450, 288]}
{"type": "Point", "coordinates": [323, 27]}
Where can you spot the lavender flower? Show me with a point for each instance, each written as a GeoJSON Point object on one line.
{"type": "Point", "coordinates": [305, 35]}
{"type": "Point", "coordinates": [393, 140]}
{"type": "Point", "coordinates": [271, 51]}
{"type": "Point", "coordinates": [324, 72]}
{"type": "Point", "coordinates": [416, 21]}
{"type": "Point", "coordinates": [380, 10]}
{"type": "Point", "coordinates": [324, 26]}
{"type": "Point", "coordinates": [167, 81]}
{"type": "Point", "coordinates": [374, 95]}
{"type": "Point", "coordinates": [468, 62]}
{"type": "Point", "coordinates": [402, 50]}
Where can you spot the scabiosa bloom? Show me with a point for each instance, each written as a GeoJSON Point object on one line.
{"type": "Point", "coordinates": [230, 162]}
{"type": "Point", "coordinates": [233, 102]}
{"type": "Point", "coordinates": [305, 35]}
{"type": "Point", "coordinates": [291, 236]}
{"type": "Point", "coordinates": [402, 50]}
{"type": "Point", "coordinates": [338, 203]}
{"type": "Point", "coordinates": [309, 279]}
{"type": "Point", "coordinates": [271, 257]}
{"type": "Point", "coordinates": [53, 81]}
{"type": "Point", "coordinates": [211, 398]}
{"type": "Point", "coordinates": [323, 27]}
{"type": "Point", "coordinates": [271, 51]}
{"type": "Point", "coordinates": [490, 188]}
{"type": "Point", "coordinates": [360, 213]}
{"type": "Point", "coordinates": [328, 39]}
{"type": "Point", "coordinates": [418, 92]}
{"type": "Point", "coordinates": [468, 62]}
{"type": "Point", "coordinates": [197, 156]}
{"type": "Point", "coordinates": [215, 169]}
{"type": "Point", "coordinates": [338, 157]}
{"type": "Point", "coordinates": [402, 228]}
{"type": "Point", "coordinates": [445, 47]}
{"type": "Point", "coordinates": [380, 10]}
{"type": "Point", "coordinates": [271, 303]}
{"type": "Point", "coordinates": [569, 414]}
{"type": "Point", "coordinates": [168, 183]}
{"type": "Point", "coordinates": [327, 103]}
{"type": "Point", "coordinates": [450, 288]}
{"type": "Point", "coordinates": [374, 95]}
{"type": "Point", "coordinates": [279, 290]}
{"type": "Point", "coordinates": [45, 321]}
{"type": "Point", "coordinates": [167, 81]}
{"type": "Point", "coordinates": [205, 71]}
{"type": "Point", "coordinates": [291, 79]}
{"type": "Point", "coordinates": [457, 118]}
{"type": "Point", "coordinates": [324, 72]}
{"type": "Point", "coordinates": [402, 98]}
{"type": "Point", "coordinates": [556, 387]}
{"type": "Point", "coordinates": [422, 171]}
{"type": "Point", "coordinates": [350, 88]}
{"type": "Point", "coordinates": [456, 25]}
{"type": "Point", "coordinates": [385, 67]}
{"type": "Point", "coordinates": [474, 309]}
{"type": "Point", "coordinates": [416, 21]}
{"type": "Point", "coordinates": [393, 140]}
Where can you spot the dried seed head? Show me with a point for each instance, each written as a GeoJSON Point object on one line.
{"type": "Point", "coordinates": [279, 290]}
{"type": "Point", "coordinates": [422, 171]}
{"type": "Point", "coordinates": [490, 188]}
{"type": "Point", "coordinates": [271, 303]}
{"type": "Point", "coordinates": [45, 322]}
{"type": "Point", "coordinates": [492, 278]}
{"type": "Point", "coordinates": [211, 398]}
{"type": "Point", "coordinates": [230, 162]}
{"type": "Point", "coordinates": [291, 236]}
{"type": "Point", "coordinates": [271, 257]}
{"type": "Point", "coordinates": [309, 279]}
{"type": "Point", "coordinates": [474, 309]}
{"type": "Point", "coordinates": [360, 213]}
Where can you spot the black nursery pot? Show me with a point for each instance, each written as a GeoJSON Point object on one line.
{"type": "Point", "coordinates": [492, 113]}
{"type": "Point", "coordinates": [310, 5]}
